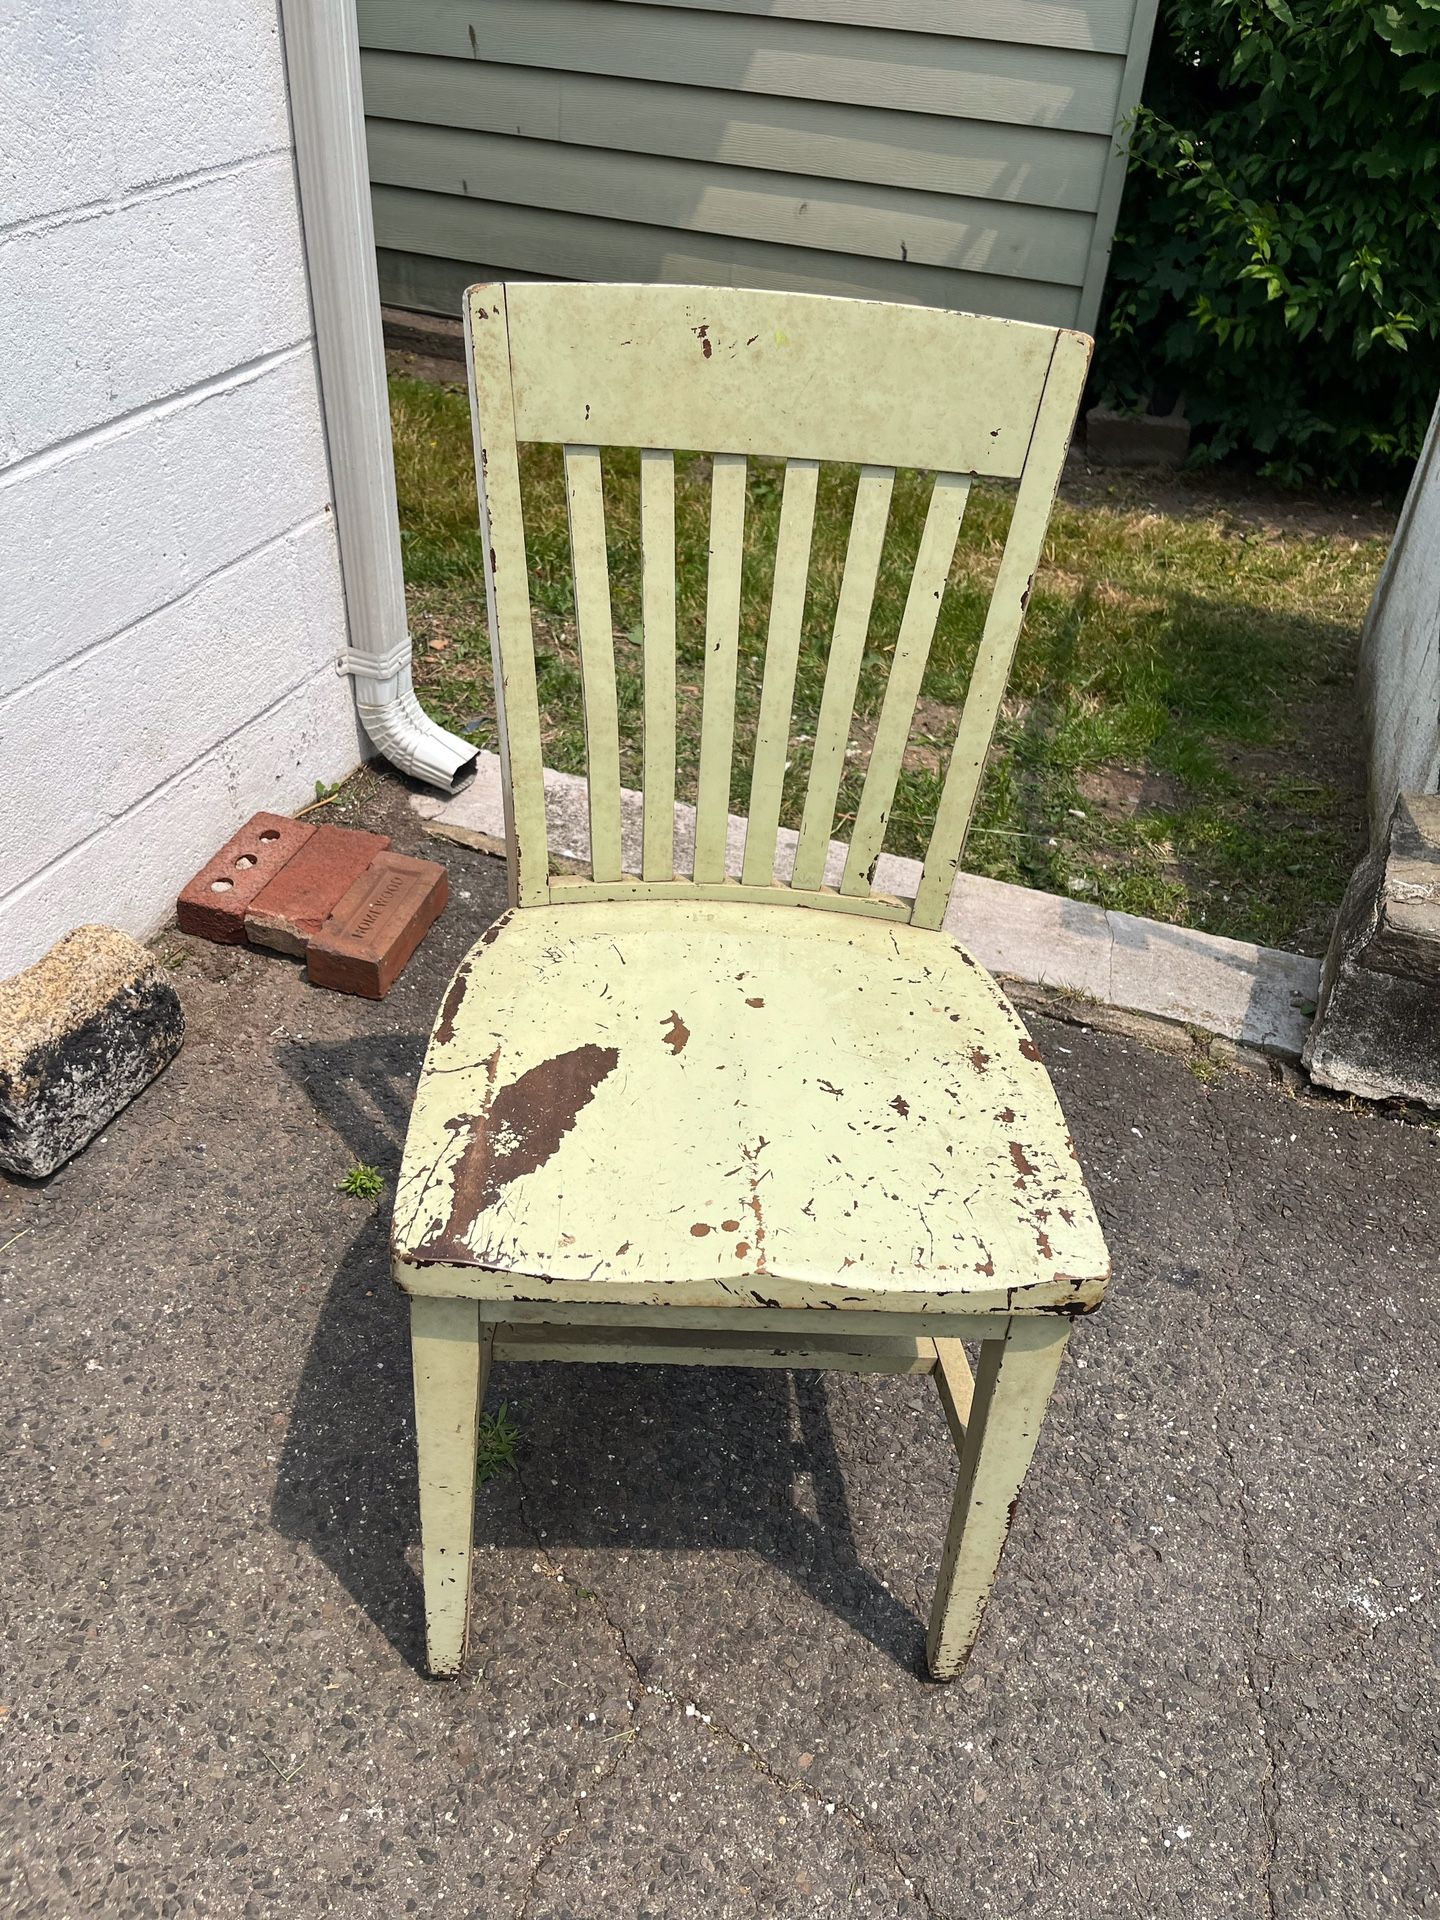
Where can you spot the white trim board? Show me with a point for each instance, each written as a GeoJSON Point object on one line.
{"type": "Point", "coordinates": [1255, 996]}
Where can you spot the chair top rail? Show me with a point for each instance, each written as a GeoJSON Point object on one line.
{"type": "Point", "coordinates": [730, 370]}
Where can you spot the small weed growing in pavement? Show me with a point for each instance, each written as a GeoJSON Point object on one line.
{"type": "Point", "coordinates": [499, 1438]}
{"type": "Point", "coordinates": [325, 796]}
{"type": "Point", "coordinates": [361, 1182]}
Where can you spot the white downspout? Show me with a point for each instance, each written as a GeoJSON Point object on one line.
{"type": "Point", "coordinates": [322, 55]}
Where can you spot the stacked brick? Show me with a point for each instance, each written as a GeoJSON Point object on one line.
{"type": "Point", "coordinates": [340, 898]}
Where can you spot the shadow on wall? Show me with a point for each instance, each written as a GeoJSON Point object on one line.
{"type": "Point", "coordinates": [625, 1458]}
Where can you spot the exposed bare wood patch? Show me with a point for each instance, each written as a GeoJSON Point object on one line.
{"type": "Point", "coordinates": [520, 1129]}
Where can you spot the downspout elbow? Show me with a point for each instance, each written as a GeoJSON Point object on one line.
{"type": "Point", "coordinates": [399, 726]}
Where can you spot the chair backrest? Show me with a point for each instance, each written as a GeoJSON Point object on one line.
{"type": "Point", "coordinates": [735, 373]}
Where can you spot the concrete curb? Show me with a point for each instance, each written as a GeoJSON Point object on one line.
{"type": "Point", "coordinates": [1254, 997]}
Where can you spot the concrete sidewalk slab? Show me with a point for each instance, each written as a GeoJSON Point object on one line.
{"type": "Point", "coordinates": [1257, 997]}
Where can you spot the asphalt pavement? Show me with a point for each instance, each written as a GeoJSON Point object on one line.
{"type": "Point", "coordinates": [1206, 1686]}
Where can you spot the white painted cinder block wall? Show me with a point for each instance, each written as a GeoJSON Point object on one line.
{"type": "Point", "coordinates": [171, 607]}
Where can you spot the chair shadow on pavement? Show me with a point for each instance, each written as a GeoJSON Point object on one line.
{"type": "Point", "coordinates": [619, 1458]}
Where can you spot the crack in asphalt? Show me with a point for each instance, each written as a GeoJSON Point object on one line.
{"type": "Point", "coordinates": [785, 1784]}
{"type": "Point", "coordinates": [548, 1848]}
{"type": "Point", "coordinates": [602, 1775]}
{"type": "Point", "coordinates": [1269, 1787]}
{"type": "Point", "coordinates": [691, 1710]}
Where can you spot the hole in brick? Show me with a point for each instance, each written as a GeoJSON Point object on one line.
{"type": "Point", "coordinates": [270, 834]}
{"type": "Point", "coordinates": [221, 886]}
{"type": "Point", "coordinates": [246, 860]}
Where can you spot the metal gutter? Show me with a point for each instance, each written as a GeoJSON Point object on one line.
{"type": "Point", "coordinates": [322, 56]}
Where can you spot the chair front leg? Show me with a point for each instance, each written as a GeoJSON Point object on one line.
{"type": "Point", "coordinates": [450, 1351]}
{"type": "Point", "coordinates": [1013, 1384]}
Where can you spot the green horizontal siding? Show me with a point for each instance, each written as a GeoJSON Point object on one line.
{"type": "Point", "coordinates": [738, 203]}
{"type": "Point", "coordinates": [577, 246]}
{"type": "Point", "coordinates": [1101, 26]}
{"type": "Point", "coordinates": [1047, 167]}
{"type": "Point", "coordinates": [747, 53]}
{"type": "Point", "coordinates": [922, 150]}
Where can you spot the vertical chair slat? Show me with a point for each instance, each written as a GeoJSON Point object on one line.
{"type": "Point", "coordinates": [657, 614]}
{"type": "Point", "coordinates": [902, 689]}
{"type": "Point", "coordinates": [842, 671]}
{"type": "Point", "coordinates": [507, 595]}
{"type": "Point", "coordinates": [782, 650]}
{"type": "Point", "coordinates": [722, 637]}
{"type": "Point", "coordinates": [1013, 581]}
{"type": "Point", "coordinates": [585, 503]}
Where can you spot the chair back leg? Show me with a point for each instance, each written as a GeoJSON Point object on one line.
{"type": "Point", "coordinates": [1013, 1384]}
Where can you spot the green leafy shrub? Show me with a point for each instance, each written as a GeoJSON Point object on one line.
{"type": "Point", "coordinates": [1279, 255]}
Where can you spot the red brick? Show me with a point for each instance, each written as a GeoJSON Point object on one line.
{"type": "Point", "coordinates": [378, 925]}
{"type": "Point", "coordinates": [213, 903]}
{"type": "Point", "coordinates": [291, 909]}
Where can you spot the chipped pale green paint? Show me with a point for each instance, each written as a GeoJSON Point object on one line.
{"type": "Point", "coordinates": [722, 641]}
{"type": "Point", "coordinates": [821, 1111]}
{"type": "Point", "coordinates": [657, 534]}
{"type": "Point", "coordinates": [450, 1354]}
{"type": "Point", "coordinates": [1012, 1390]}
{"type": "Point", "coordinates": [912, 649]}
{"type": "Point", "coordinates": [507, 599]}
{"type": "Point", "coordinates": [669, 1347]}
{"type": "Point", "coordinates": [1014, 578]}
{"type": "Point", "coordinates": [979, 1321]}
{"type": "Point", "coordinates": [782, 651]}
{"type": "Point", "coordinates": [956, 1386]}
{"type": "Point", "coordinates": [863, 551]}
{"type": "Point", "coordinates": [660, 1119]}
{"type": "Point", "coordinates": [591, 572]}
{"type": "Point", "coordinates": [785, 373]}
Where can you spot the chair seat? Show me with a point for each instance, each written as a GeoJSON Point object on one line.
{"type": "Point", "coordinates": [699, 1104]}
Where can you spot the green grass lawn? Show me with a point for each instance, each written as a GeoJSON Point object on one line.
{"type": "Point", "coordinates": [1179, 739]}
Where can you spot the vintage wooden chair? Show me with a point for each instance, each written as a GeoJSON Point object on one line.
{"type": "Point", "coordinates": [662, 1116]}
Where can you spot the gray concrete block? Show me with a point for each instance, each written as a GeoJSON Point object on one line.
{"type": "Point", "coordinates": [1377, 1031]}
{"type": "Point", "coordinates": [1136, 439]}
{"type": "Point", "coordinates": [1407, 923]}
{"type": "Point", "coordinates": [81, 1033]}
{"type": "Point", "coordinates": [430, 334]}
